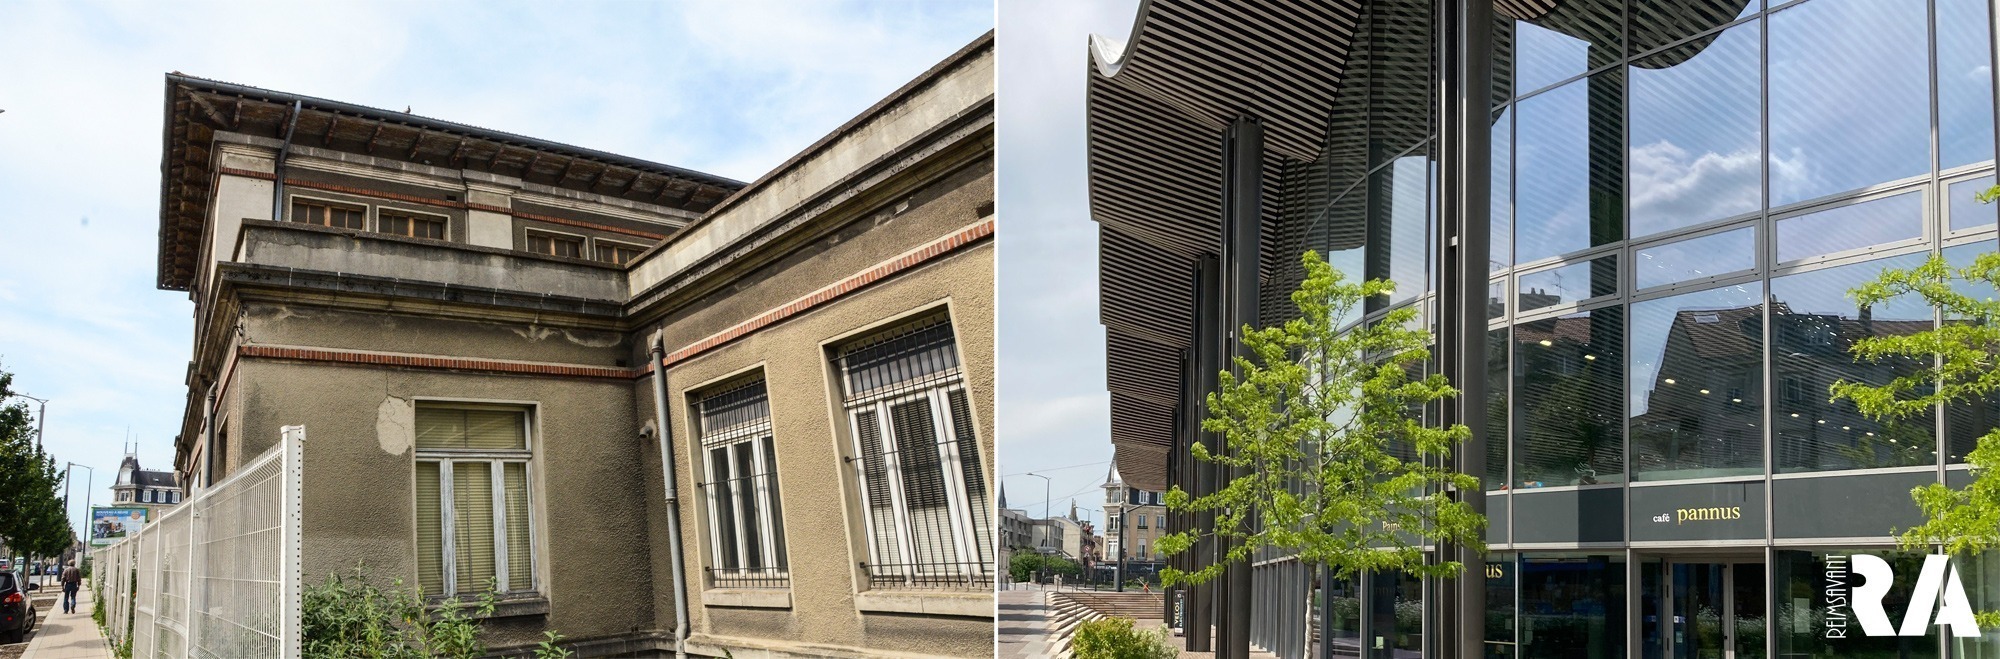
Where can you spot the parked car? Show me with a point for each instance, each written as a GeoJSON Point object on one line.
{"type": "Point", "coordinates": [17, 609]}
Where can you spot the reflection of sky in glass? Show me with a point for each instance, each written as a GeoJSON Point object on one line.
{"type": "Point", "coordinates": [1552, 169]}
{"type": "Point", "coordinates": [1502, 197]}
{"type": "Point", "coordinates": [1496, 300]}
{"type": "Point", "coordinates": [1714, 254]}
{"type": "Point", "coordinates": [1543, 57]}
{"type": "Point", "coordinates": [1962, 256]}
{"type": "Point", "coordinates": [1409, 207]}
{"type": "Point", "coordinates": [1652, 320]}
{"type": "Point", "coordinates": [1968, 213]}
{"type": "Point", "coordinates": [1851, 227]}
{"type": "Point", "coordinates": [1965, 82]}
{"type": "Point", "coordinates": [1571, 283]}
{"type": "Point", "coordinates": [1849, 96]}
{"type": "Point", "coordinates": [1685, 172]}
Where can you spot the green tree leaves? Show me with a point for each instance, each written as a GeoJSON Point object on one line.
{"type": "Point", "coordinates": [32, 519]}
{"type": "Point", "coordinates": [1334, 463]}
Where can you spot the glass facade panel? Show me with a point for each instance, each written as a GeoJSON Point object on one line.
{"type": "Point", "coordinates": [1965, 82]}
{"type": "Point", "coordinates": [1569, 170]}
{"type": "Point", "coordinates": [1849, 98]}
{"type": "Point", "coordinates": [1568, 284]}
{"type": "Point", "coordinates": [1400, 221]}
{"type": "Point", "coordinates": [1697, 384]}
{"type": "Point", "coordinates": [1500, 574]}
{"type": "Point", "coordinates": [1813, 324]}
{"type": "Point", "coordinates": [1496, 409]}
{"type": "Point", "coordinates": [1568, 416]}
{"type": "Point", "coordinates": [1706, 256]}
{"type": "Point", "coordinates": [1851, 226]}
{"type": "Point", "coordinates": [1802, 599]}
{"type": "Point", "coordinates": [1395, 616]}
{"type": "Point", "coordinates": [1343, 610]}
{"type": "Point", "coordinates": [1980, 576]}
{"type": "Point", "coordinates": [1966, 212]}
{"type": "Point", "coordinates": [1500, 205]}
{"type": "Point", "coordinates": [1572, 606]}
{"type": "Point", "coordinates": [1685, 172]}
{"type": "Point", "coordinates": [1656, 23]}
{"type": "Point", "coordinates": [1964, 423]}
{"type": "Point", "coordinates": [1564, 40]}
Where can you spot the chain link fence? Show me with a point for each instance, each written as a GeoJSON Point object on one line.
{"type": "Point", "coordinates": [217, 576]}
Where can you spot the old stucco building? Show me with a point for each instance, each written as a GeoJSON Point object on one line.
{"type": "Point", "coordinates": [479, 331]}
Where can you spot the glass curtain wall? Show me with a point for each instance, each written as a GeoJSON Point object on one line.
{"type": "Point", "coordinates": [1682, 192]}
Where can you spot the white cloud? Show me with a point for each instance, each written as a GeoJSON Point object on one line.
{"type": "Point", "coordinates": [1671, 186]}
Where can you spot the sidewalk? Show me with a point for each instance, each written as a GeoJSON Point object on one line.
{"type": "Point", "coordinates": [1024, 624]}
{"type": "Point", "coordinates": [69, 635]}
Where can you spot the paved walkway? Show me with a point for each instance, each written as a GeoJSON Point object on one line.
{"type": "Point", "coordinates": [68, 635]}
{"type": "Point", "coordinates": [1023, 624]}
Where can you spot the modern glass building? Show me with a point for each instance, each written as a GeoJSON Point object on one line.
{"type": "Point", "coordinates": [1670, 199]}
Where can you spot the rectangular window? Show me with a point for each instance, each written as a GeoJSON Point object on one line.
{"type": "Point", "coordinates": [619, 253]}
{"type": "Point", "coordinates": [327, 214]}
{"type": "Point", "coordinates": [917, 460]}
{"type": "Point", "coordinates": [555, 245]}
{"type": "Point", "coordinates": [412, 225]}
{"type": "Point", "coordinates": [746, 527]}
{"type": "Point", "coordinates": [473, 500]}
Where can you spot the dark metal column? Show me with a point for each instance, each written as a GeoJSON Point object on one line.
{"type": "Point", "coordinates": [1208, 598]}
{"type": "Point", "coordinates": [1465, 144]}
{"type": "Point", "coordinates": [1242, 226]}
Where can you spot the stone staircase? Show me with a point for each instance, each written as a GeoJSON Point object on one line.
{"type": "Point", "coordinates": [1069, 609]}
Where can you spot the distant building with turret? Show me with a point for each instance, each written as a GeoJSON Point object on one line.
{"type": "Point", "coordinates": [155, 491]}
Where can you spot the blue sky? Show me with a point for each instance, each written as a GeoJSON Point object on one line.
{"type": "Point", "coordinates": [731, 88]}
{"type": "Point", "coordinates": [1055, 414]}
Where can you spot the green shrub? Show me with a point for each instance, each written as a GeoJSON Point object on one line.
{"type": "Point", "coordinates": [1114, 638]}
{"type": "Point", "coordinates": [347, 617]}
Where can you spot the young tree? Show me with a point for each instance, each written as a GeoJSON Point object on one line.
{"type": "Point", "coordinates": [31, 516]}
{"type": "Point", "coordinates": [1334, 464]}
{"type": "Point", "coordinates": [1962, 366]}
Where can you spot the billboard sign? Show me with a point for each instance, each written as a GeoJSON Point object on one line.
{"type": "Point", "coordinates": [109, 525]}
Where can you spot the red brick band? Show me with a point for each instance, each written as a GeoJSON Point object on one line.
{"type": "Point", "coordinates": [883, 270]}
{"type": "Point", "coordinates": [440, 203]}
{"type": "Point", "coordinates": [323, 355]}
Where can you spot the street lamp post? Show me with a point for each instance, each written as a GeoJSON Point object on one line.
{"type": "Point", "coordinates": [41, 417]}
{"type": "Point", "coordinates": [1045, 493]}
{"type": "Point", "coordinates": [71, 467]}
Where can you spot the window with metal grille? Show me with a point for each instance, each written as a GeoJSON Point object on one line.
{"type": "Point", "coordinates": [555, 245]}
{"type": "Point", "coordinates": [411, 224]}
{"type": "Point", "coordinates": [329, 214]}
{"type": "Point", "coordinates": [746, 523]}
{"type": "Point", "coordinates": [474, 467]}
{"type": "Point", "coordinates": [917, 461]}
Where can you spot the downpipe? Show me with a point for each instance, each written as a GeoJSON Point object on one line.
{"type": "Point", "coordinates": [663, 430]}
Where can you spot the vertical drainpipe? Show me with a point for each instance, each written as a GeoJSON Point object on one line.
{"type": "Point", "coordinates": [664, 429]}
{"type": "Point", "coordinates": [278, 171]}
{"type": "Point", "coordinates": [208, 444]}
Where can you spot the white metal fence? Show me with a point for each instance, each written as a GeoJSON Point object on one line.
{"type": "Point", "coordinates": [216, 577]}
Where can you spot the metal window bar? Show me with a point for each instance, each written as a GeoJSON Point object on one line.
{"type": "Point", "coordinates": [917, 459]}
{"type": "Point", "coordinates": [216, 576]}
{"type": "Point", "coordinates": [745, 520]}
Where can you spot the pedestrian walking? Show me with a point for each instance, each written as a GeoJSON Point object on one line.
{"type": "Point", "coordinates": [72, 579]}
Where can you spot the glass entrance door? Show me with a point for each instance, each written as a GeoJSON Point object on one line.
{"type": "Point", "coordinates": [1698, 610]}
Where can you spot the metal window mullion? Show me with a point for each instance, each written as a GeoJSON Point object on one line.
{"type": "Point", "coordinates": [447, 525]}
{"type": "Point", "coordinates": [736, 491]}
{"type": "Point", "coordinates": [875, 553]}
{"type": "Point", "coordinates": [496, 473]}
{"type": "Point", "coordinates": [714, 509]}
{"type": "Point", "coordinates": [528, 505]}
{"type": "Point", "coordinates": [954, 481]}
{"type": "Point", "coordinates": [898, 503]}
{"type": "Point", "coordinates": [764, 465]}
